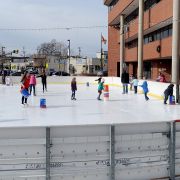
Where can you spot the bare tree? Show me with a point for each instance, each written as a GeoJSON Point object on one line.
{"type": "Point", "coordinates": [53, 48]}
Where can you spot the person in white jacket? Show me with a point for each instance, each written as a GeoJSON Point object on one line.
{"type": "Point", "coordinates": [135, 84]}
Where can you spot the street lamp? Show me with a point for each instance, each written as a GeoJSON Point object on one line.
{"type": "Point", "coordinates": [69, 46]}
{"type": "Point", "coordinates": [2, 56]}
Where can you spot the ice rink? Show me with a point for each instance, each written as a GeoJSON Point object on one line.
{"type": "Point", "coordinates": [87, 110]}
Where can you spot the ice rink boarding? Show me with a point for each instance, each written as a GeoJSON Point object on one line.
{"type": "Point", "coordinates": [124, 138]}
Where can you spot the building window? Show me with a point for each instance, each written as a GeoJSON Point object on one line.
{"type": "Point", "coordinates": [146, 40]}
{"type": "Point", "coordinates": [97, 68]}
{"type": "Point", "coordinates": [147, 5]}
{"type": "Point", "coordinates": [132, 16]}
{"type": "Point", "coordinates": [113, 3]}
{"type": "Point", "coordinates": [170, 32]}
{"type": "Point", "coordinates": [150, 3]}
{"type": "Point", "coordinates": [154, 36]}
{"type": "Point", "coordinates": [164, 33]}
{"type": "Point", "coordinates": [132, 44]}
{"type": "Point", "coordinates": [158, 35]}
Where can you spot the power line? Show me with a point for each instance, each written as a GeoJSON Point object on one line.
{"type": "Point", "coordinates": [52, 29]}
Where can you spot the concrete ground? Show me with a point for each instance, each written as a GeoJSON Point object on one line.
{"type": "Point", "coordinates": [87, 110]}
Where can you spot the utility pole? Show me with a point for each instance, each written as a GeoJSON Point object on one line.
{"type": "Point", "coordinates": [2, 65]}
{"type": "Point", "coordinates": [69, 46]}
{"type": "Point", "coordinates": [101, 54]}
{"type": "Point", "coordinates": [24, 52]}
{"type": "Point", "coordinates": [79, 51]}
{"type": "Point", "coordinates": [2, 55]}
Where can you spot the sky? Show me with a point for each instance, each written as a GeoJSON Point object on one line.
{"type": "Point", "coordinates": [16, 14]}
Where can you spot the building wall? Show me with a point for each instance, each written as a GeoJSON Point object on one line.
{"type": "Point", "coordinates": [120, 6]}
{"type": "Point", "coordinates": [113, 50]}
{"type": "Point", "coordinates": [152, 17]}
{"type": "Point", "coordinates": [153, 20]}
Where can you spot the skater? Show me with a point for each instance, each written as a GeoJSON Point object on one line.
{"type": "Point", "coordinates": [33, 84]}
{"type": "Point", "coordinates": [100, 88]}
{"type": "Point", "coordinates": [73, 88]}
{"type": "Point", "coordinates": [44, 80]}
{"type": "Point", "coordinates": [4, 74]}
{"type": "Point", "coordinates": [125, 81]}
{"type": "Point", "coordinates": [9, 81]}
{"type": "Point", "coordinates": [168, 92]}
{"type": "Point", "coordinates": [25, 85]}
{"type": "Point", "coordinates": [131, 78]}
{"type": "Point", "coordinates": [135, 84]}
{"type": "Point", "coordinates": [145, 88]}
{"type": "Point", "coordinates": [99, 79]}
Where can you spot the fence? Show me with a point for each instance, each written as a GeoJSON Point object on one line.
{"type": "Point", "coordinates": [105, 152]}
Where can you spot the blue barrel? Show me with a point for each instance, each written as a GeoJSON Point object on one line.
{"type": "Point", "coordinates": [43, 103]}
{"type": "Point", "coordinates": [25, 93]}
{"type": "Point", "coordinates": [172, 100]}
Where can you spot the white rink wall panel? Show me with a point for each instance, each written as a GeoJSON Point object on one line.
{"type": "Point", "coordinates": [22, 154]}
{"type": "Point", "coordinates": [143, 152]}
{"type": "Point", "coordinates": [156, 88]}
{"type": "Point", "coordinates": [139, 152]}
{"type": "Point", "coordinates": [81, 151]}
{"type": "Point", "coordinates": [177, 152]}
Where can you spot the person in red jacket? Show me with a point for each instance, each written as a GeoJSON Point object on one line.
{"type": "Point", "coordinates": [25, 85]}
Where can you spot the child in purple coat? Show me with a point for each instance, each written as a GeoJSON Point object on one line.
{"type": "Point", "coordinates": [73, 88]}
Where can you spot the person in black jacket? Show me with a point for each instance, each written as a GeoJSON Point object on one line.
{"type": "Point", "coordinates": [44, 80]}
{"type": "Point", "coordinates": [99, 79]}
{"type": "Point", "coordinates": [73, 88]}
{"type": "Point", "coordinates": [168, 92]}
{"type": "Point", "coordinates": [125, 81]}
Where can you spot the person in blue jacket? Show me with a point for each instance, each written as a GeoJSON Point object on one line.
{"type": "Point", "coordinates": [145, 89]}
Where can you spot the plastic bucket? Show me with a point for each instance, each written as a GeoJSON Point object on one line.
{"type": "Point", "coordinates": [42, 103]}
{"type": "Point", "coordinates": [25, 93]}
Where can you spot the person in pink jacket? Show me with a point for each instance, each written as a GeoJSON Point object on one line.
{"type": "Point", "coordinates": [33, 84]}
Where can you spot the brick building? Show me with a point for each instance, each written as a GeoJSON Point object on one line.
{"type": "Point", "coordinates": [140, 30]}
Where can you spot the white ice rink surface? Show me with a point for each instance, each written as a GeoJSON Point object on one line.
{"type": "Point", "coordinates": [87, 110]}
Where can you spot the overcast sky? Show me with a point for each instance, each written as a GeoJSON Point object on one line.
{"type": "Point", "coordinates": [49, 14]}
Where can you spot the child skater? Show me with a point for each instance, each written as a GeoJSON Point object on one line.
{"type": "Point", "coordinates": [33, 84]}
{"type": "Point", "coordinates": [145, 89]}
{"type": "Point", "coordinates": [99, 79]}
{"type": "Point", "coordinates": [135, 84]}
{"type": "Point", "coordinates": [168, 92]}
{"type": "Point", "coordinates": [25, 85]}
{"type": "Point", "coordinates": [73, 88]}
{"type": "Point", "coordinates": [100, 88]}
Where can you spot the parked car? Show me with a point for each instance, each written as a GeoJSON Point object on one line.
{"type": "Point", "coordinates": [61, 73]}
{"type": "Point", "coordinates": [34, 72]}
{"type": "Point", "coordinates": [17, 73]}
{"type": "Point", "coordinates": [51, 72]}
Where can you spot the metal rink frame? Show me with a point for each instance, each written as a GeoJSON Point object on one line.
{"type": "Point", "coordinates": [104, 152]}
